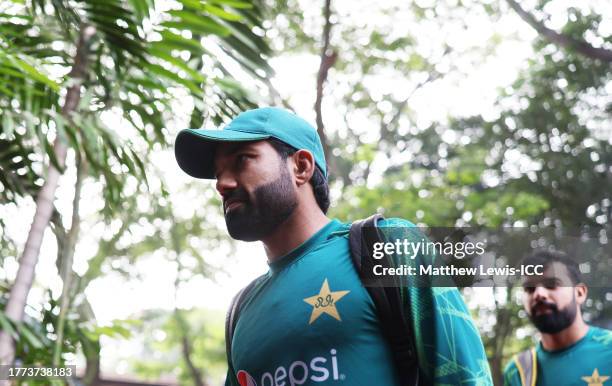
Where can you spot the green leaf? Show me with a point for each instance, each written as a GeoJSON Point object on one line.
{"type": "Point", "coordinates": [237, 4]}
{"type": "Point", "coordinates": [196, 23]}
{"type": "Point", "coordinates": [32, 339]}
{"type": "Point", "coordinates": [7, 124]}
{"type": "Point", "coordinates": [141, 8]}
{"type": "Point", "coordinates": [220, 12]}
{"type": "Point", "coordinates": [50, 150]}
{"type": "Point", "coordinates": [7, 325]}
{"type": "Point", "coordinates": [196, 76]}
{"type": "Point", "coordinates": [159, 70]}
{"type": "Point", "coordinates": [33, 72]}
{"type": "Point", "coordinates": [170, 40]}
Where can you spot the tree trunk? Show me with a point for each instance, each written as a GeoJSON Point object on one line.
{"type": "Point", "coordinates": [503, 328]}
{"type": "Point", "coordinates": [187, 349]}
{"type": "Point", "coordinates": [44, 203]}
{"type": "Point", "coordinates": [184, 330]}
{"type": "Point", "coordinates": [327, 61]}
{"type": "Point", "coordinates": [91, 348]}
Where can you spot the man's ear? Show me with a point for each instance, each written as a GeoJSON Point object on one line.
{"type": "Point", "coordinates": [303, 166]}
{"type": "Point", "coordinates": [581, 291]}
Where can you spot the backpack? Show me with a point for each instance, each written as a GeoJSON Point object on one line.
{"type": "Point", "coordinates": [394, 322]}
{"type": "Point", "coordinates": [527, 364]}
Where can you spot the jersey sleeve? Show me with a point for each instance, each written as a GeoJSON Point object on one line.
{"type": "Point", "coordinates": [242, 298]}
{"type": "Point", "coordinates": [511, 375]}
{"type": "Point", "coordinates": [230, 379]}
{"type": "Point", "coordinates": [448, 344]}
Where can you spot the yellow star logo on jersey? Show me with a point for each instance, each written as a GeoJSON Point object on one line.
{"type": "Point", "coordinates": [325, 302]}
{"type": "Point", "coordinates": [595, 379]}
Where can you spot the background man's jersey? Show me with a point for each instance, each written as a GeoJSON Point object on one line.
{"type": "Point", "coordinates": [586, 362]}
{"type": "Point", "coordinates": [310, 321]}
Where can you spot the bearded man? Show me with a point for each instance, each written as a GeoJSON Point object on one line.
{"type": "Point", "coordinates": [570, 351]}
{"type": "Point", "coordinates": [309, 320]}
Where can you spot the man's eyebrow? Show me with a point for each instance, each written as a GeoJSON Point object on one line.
{"type": "Point", "coordinates": [232, 149]}
{"type": "Point", "coordinates": [532, 282]}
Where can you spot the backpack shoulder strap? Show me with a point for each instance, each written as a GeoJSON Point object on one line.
{"type": "Point", "coordinates": [527, 365]}
{"type": "Point", "coordinates": [231, 319]}
{"type": "Point", "coordinates": [355, 237]}
{"type": "Point", "coordinates": [388, 302]}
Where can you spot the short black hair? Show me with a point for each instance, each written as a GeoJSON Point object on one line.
{"type": "Point", "coordinates": [318, 180]}
{"type": "Point", "coordinates": [547, 257]}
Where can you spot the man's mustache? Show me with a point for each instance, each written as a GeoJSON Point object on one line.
{"type": "Point", "coordinates": [238, 194]}
{"type": "Point", "coordinates": [543, 304]}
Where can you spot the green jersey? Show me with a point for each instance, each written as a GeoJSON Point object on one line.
{"type": "Point", "coordinates": [310, 321]}
{"type": "Point", "coordinates": [586, 362]}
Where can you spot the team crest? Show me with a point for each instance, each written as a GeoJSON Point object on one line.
{"type": "Point", "coordinates": [325, 302]}
{"type": "Point", "coordinates": [595, 379]}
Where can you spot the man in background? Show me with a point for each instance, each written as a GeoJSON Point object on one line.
{"type": "Point", "coordinates": [570, 351]}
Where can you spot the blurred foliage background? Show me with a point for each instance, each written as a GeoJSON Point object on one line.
{"type": "Point", "coordinates": [95, 91]}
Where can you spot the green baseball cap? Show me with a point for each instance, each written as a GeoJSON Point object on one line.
{"type": "Point", "coordinates": [195, 148]}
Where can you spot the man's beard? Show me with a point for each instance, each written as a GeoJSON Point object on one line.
{"type": "Point", "coordinates": [555, 321]}
{"type": "Point", "coordinates": [271, 205]}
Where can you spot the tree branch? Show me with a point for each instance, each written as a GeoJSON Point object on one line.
{"type": "Point", "coordinates": [327, 61]}
{"type": "Point", "coordinates": [560, 39]}
{"type": "Point", "coordinates": [185, 339]}
{"type": "Point", "coordinates": [66, 258]}
{"type": "Point", "coordinates": [400, 105]}
{"type": "Point", "coordinates": [187, 349]}
{"type": "Point", "coordinates": [276, 97]}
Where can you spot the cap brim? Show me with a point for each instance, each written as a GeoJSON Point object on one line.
{"type": "Point", "coordinates": [195, 149]}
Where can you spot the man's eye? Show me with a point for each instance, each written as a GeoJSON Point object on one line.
{"type": "Point", "coordinates": [551, 284]}
{"type": "Point", "coordinates": [529, 289]}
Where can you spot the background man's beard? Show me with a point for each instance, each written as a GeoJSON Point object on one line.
{"type": "Point", "coordinates": [555, 321]}
{"type": "Point", "coordinates": [271, 205]}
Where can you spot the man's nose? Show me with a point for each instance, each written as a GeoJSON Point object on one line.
{"type": "Point", "coordinates": [540, 293]}
{"type": "Point", "coordinates": [225, 183]}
